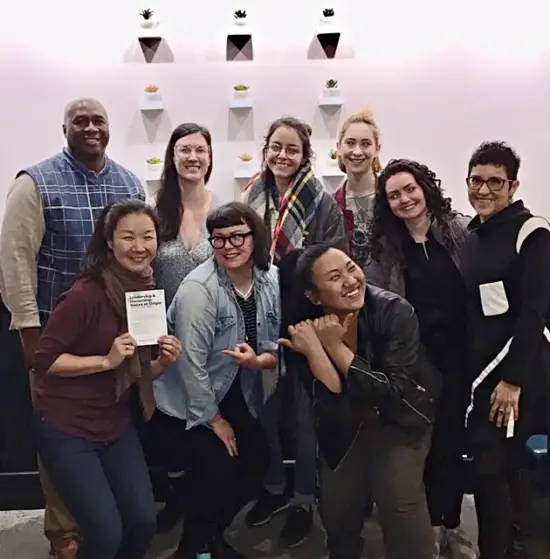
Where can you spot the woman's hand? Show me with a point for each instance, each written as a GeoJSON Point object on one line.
{"type": "Point", "coordinates": [169, 350]}
{"type": "Point", "coordinates": [303, 338]}
{"type": "Point", "coordinates": [504, 403]}
{"type": "Point", "coordinates": [225, 433]}
{"type": "Point", "coordinates": [330, 331]}
{"type": "Point", "coordinates": [243, 355]}
{"type": "Point", "coordinates": [122, 347]}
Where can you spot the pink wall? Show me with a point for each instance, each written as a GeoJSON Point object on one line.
{"type": "Point", "coordinates": [440, 76]}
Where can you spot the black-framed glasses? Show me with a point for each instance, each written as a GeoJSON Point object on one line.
{"type": "Point", "coordinates": [235, 240]}
{"type": "Point", "coordinates": [494, 184]}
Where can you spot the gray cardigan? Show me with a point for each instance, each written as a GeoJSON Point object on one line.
{"type": "Point", "coordinates": [389, 274]}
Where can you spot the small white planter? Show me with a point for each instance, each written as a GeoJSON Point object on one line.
{"type": "Point", "coordinates": [332, 92]}
{"type": "Point", "coordinates": [147, 24]}
{"type": "Point", "coordinates": [238, 94]}
{"type": "Point", "coordinates": [333, 162]}
{"type": "Point", "coordinates": [152, 97]}
{"type": "Point", "coordinates": [327, 21]}
{"type": "Point", "coordinates": [241, 22]}
{"type": "Point", "coordinates": [154, 167]}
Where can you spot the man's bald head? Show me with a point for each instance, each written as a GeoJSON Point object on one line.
{"type": "Point", "coordinates": [86, 127]}
{"type": "Point", "coordinates": [83, 103]}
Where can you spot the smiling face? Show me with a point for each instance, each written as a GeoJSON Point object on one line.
{"type": "Point", "coordinates": [490, 190]}
{"type": "Point", "coordinates": [405, 197]}
{"type": "Point", "coordinates": [134, 242]}
{"type": "Point", "coordinates": [285, 153]}
{"type": "Point", "coordinates": [192, 157]}
{"type": "Point", "coordinates": [358, 148]}
{"type": "Point", "coordinates": [86, 129]}
{"type": "Point", "coordinates": [339, 283]}
{"type": "Point", "coordinates": [233, 246]}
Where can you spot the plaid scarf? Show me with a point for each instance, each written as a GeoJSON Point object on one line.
{"type": "Point", "coordinates": [300, 202]}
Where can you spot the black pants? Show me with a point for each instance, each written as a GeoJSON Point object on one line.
{"type": "Point", "coordinates": [503, 499]}
{"type": "Point", "coordinates": [444, 474]}
{"type": "Point", "coordinates": [217, 485]}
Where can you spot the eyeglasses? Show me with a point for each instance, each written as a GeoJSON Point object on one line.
{"type": "Point", "coordinates": [235, 240]}
{"type": "Point", "coordinates": [188, 150]}
{"type": "Point", "coordinates": [290, 151]}
{"type": "Point", "coordinates": [494, 184]}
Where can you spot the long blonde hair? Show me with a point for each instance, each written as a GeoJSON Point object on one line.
{"type": "Point", "coordinates": [366, 117]}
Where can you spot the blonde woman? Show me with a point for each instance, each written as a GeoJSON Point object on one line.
{"type": "Point", "coordinates": [359, 157]}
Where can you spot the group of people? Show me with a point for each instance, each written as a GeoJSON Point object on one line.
{"type": "Point", "coordinates": [396, 335]}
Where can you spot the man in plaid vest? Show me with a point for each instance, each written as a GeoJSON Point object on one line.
{"type": "Point", "coordinates": [49, 218]}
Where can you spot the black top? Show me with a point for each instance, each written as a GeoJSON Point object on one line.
{"type": "Point", "coordinates": [234, 402]}
{"type": "Point", "coordinates": [508, 302]}
{"type": "Point", "coordinates": [435, 288]}
{"type": "Point", "coordinates": [248, 308]}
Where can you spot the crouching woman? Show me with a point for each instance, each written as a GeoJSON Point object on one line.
{"type": "Point", "coordinates": [374, 394]}
{"type": "Point", "coordinates": [88, 373]}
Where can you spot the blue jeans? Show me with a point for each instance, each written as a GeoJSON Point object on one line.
{"type": "Point", "coordinates": [105, 486]}
{"type": "Point", "coordinates": [305, 469]}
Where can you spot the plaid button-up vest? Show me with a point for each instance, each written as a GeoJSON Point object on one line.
{"type": "Point", "coordinates": [72, 199]}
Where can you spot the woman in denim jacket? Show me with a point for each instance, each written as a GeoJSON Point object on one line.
{"type": "Point", "coordinates": [227, 312]}
{"type": "Point", "coordinates": [418, 244]}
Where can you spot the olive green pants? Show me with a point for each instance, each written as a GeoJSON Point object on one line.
{"type": "Point", "coordinates": [58, 522]}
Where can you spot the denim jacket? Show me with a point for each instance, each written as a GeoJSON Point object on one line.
{"type": "Point", "coordinates": [207, 319]}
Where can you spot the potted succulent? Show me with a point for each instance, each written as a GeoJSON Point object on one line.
{"type": "Point", "coordinates": [331, 88]}
{"type": "Point", "coordinates": [245, 158]}
{"type": "Point", "coordinates": [147, 21]}
{"type": "Point", "coordinates": [333, 157]}
{"type": "Point", "coordinates": [328, 15]}
{"type": "Point", "coordinates": [151, 92]}
{"type": "Point", "coordinates": [240, 90]}
{"type": "Point", "coordinates": [153, 163]}
{"type": "Point", "coordinates": [240, 17]}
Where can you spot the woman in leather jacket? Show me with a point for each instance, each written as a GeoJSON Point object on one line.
{"type": "Point", "coordinates": [374, 397]}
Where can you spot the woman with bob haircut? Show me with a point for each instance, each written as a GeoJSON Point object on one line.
{"type": "Point", "coordinates": [87, 370]}
{"type": "Point", "coordinates": [227, 312]}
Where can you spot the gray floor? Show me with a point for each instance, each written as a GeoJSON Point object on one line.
{"type": "Point", "coordinates": [21, 538]}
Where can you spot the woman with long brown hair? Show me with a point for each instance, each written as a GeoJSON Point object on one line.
{"type": "Point", "coordinates": [298, 212]}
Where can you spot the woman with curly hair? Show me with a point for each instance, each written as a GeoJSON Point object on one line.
{"type": "Point", "coordinates": [417, 247]}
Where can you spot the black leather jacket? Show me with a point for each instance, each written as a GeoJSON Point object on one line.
{"type": "Point", "coordinates": [391, 374]}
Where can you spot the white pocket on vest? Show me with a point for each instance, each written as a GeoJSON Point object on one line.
{"type": "Point", "coordinates": [493, 298]}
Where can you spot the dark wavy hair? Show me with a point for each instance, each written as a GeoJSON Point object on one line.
{"type": "Point", "coordinates": [97, 254]}
{"type": "Point", "coordinates": [388, 229]}
{"type": "Point", "coordinates": [304, 132]}
{"type": "Point", "coordinates": [237, 213]}
{"type": "Point", "coordinates": [169, 208]}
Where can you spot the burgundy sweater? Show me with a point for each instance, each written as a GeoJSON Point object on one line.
{"type": "Point", "coordinates": [83, 323]}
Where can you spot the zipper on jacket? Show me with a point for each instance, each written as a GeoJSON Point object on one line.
{"type": "Point", "coordinates": [425, 250]}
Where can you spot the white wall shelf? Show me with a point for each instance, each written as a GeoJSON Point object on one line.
{"type": "Point", "coordinates": [244, 103]}
{"type": "Point", "coordinates": [151, 104]}
{"type": "Point", "coordinates": [331, 100]}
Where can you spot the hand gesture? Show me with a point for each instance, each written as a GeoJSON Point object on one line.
{"type": "Point", "coordinates": [330, 331]}
{"type": "Point", "coordinates": [303, 338]}
{"type": "Point", "coordinates": [169, 350]}
{"type": "Point", "coordinates": [225, 433]}
{"type": "Point", "coordinates": [505, 402]}
{"type": "Point", "coordinates": [123, 346]}
{"type": "Point", "coordinates": [243, 355]}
